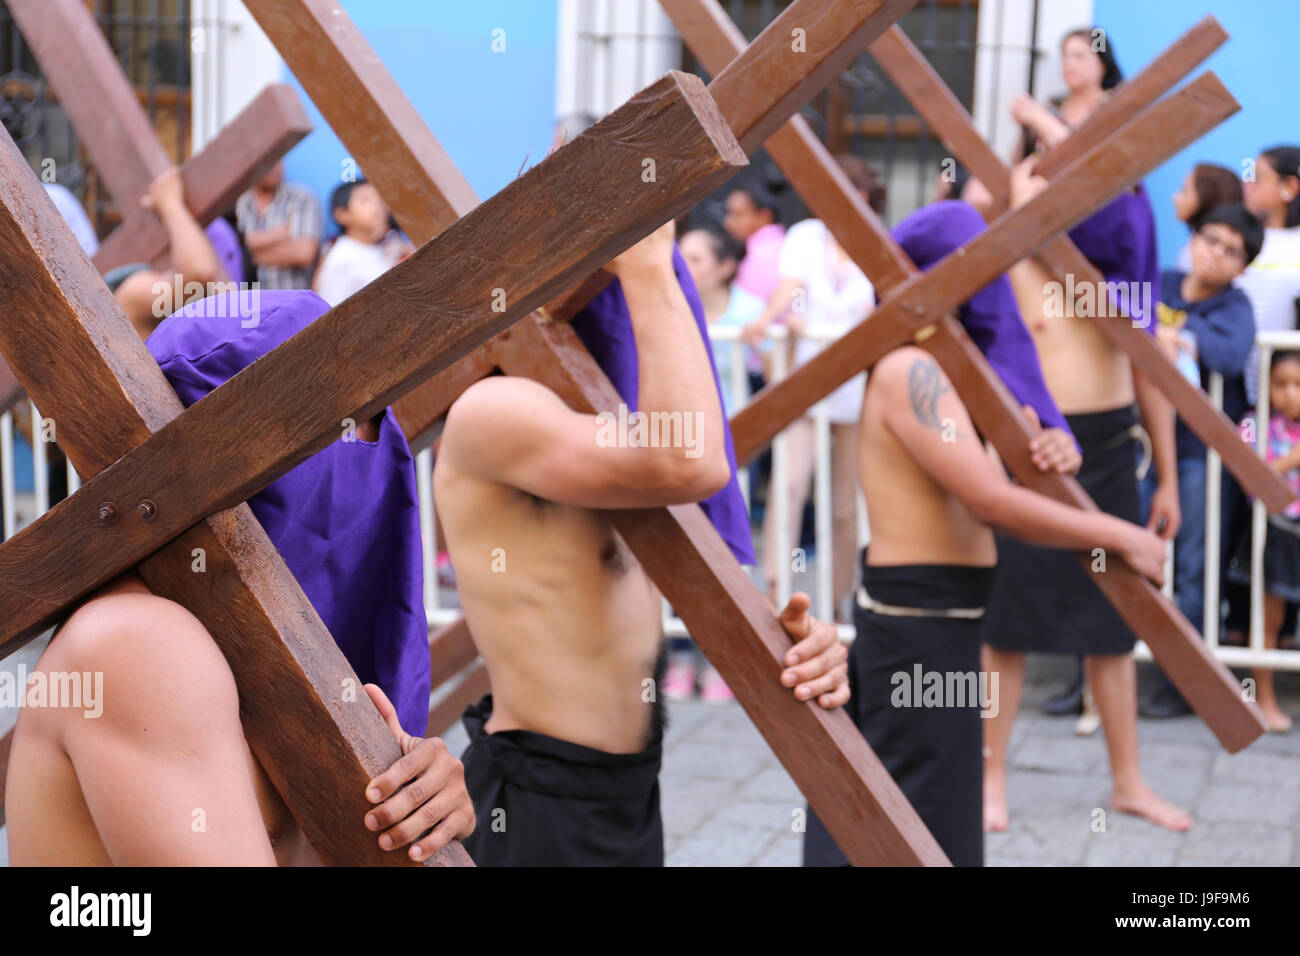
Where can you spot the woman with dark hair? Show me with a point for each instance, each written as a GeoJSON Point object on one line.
{"type": "Point", "coordinates": [1206, 187]}
{"type": "Point", "coordinates": [1090, 72]}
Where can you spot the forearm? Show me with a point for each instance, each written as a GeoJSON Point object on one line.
{"type": "Point", "coordinates": [1050, 129]}
{"type": "Point", "coordinates": [1286, 462]}
{"type": "Point", "coordinates": [779, 302]}
{"type": "Point", "coordinates": [1043, 521]}
{"type": "Point", "coordinates": [1220, 346]}
{"type": "Point", "coordinates": [674, 370]}
{"type": "Point", "coordinates": [192, 254]}
{"type": "Point", "coordinates": [291, 253]}
{"type": "Point", "coordinates": [256, 241]}
{"type": "Point", "coordinates": [1158, 419]}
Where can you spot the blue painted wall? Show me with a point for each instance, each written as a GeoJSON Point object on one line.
{"type": "Point", "coordinates": [1257, 64]}
{"type": "Point", "coordinates": [490, 110]}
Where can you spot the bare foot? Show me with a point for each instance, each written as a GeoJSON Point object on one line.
{"type": "Point", "coordinates": [1143, 802]}
{"type": "Point", "coordinates": [995, 800]}
{"type": "Point", "coordinates": [1278, 722]}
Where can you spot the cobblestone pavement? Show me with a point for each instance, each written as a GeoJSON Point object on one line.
{"type": "Point", "coordinates": [728, 802]}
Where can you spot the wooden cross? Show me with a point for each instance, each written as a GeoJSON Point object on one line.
{"type": "Point", "coordinates": [715, 598]}
{"type": "Point", "coordinates": [916, 306]}
{"type": "Point", "coordinates": [678, 547]}
{"type": "Point", "coordinates": [116, 132]}
{"type": "Point", "coordinates": [157, 470]}
{"type": "Point", "coordinates": [913, 75]}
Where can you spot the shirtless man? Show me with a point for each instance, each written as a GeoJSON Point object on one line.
{"type": "Point", "coordinates": [124, 786]}
{"type": "Point", "coordinates": [564, 755]}
{"type": "Point", "coordinates": [127, 788]}
{"type": "Point", "coordinates": [1042, 599]}
{"type": "Point", "coordinates": [933, 493]}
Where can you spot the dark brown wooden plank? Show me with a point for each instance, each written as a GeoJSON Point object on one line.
{"type": "Point", "coordinates": [734, 625]}
{"type": "Point", "coordinates": [87, 368]}
{"type": "Point", "coordinates": [420, 410]}
{"type": "Point", "coordinates": [1110, 167]}
{"type": "Point", "coordinates": [95, 93]}
{"type": "Point", "coordinates": [10, 391]}
{"type": "Point", "coordinates": [425, 313]}
{"type": "Point", "coordinates": [451, 650]}
{"type": "Point", "coordinates": [908, 68]}
{"type": "Point", "coordinates": [236, 158]}
{"type": "Point", "coordinates": [1132, 96]}
{"type": "Point", "coordinates": [444, 714]}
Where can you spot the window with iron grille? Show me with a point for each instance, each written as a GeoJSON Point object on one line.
{"type": "Point", "coordinates": [862, 112]}
{"type": "Point", "coordinates": [152, 41]}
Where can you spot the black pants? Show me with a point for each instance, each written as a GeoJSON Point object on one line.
{"type": "Point", "coordinates": [934, 753]}
{"type": "Point", "coordinates": [541, 801]}
{"type": "Point", "coordinates": [1043, 599]}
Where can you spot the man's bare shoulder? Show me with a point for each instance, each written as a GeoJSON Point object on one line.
{"type": "Point", "coordinates": [490, 420]}
{"type": "Point", "coordinates": [135, 628]}
{"type": "Point", "coordinates": [897, 370]}
{"type": "Point", "coordinates": [500, 391]}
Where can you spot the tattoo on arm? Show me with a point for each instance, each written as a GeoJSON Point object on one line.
{"type": "Point", "coordinates": [925, 386]}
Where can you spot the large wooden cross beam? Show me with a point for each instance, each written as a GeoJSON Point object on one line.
{"type": "Point", "coordinates": [677, 546]}
{"type": "Point", "coordinates": [122, 423]}
{"type": "Point", "coordinates": [915, 306]}
{"type": "Point", "coordinates": [925, 89]}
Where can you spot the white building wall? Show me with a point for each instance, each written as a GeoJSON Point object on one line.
{"type": "Point", "coordinates": [606, 50]}
{"type": "Point", "coordinates": [232, 61]}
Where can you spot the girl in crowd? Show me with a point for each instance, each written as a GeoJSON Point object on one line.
{"type": "Point", "coordinates": [1273, 280]}
{"type": "Point", "coordinates": [1271, 191]}
{"type": "Point", "coordinates": [1282, 541]}
{"type": "Point", "coordinates": [820, 285]}
{"type": "Point", "coordinates": [1204, 188]}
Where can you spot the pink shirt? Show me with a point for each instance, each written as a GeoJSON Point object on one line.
{"type": "Point", "coordinates": [759, 272]}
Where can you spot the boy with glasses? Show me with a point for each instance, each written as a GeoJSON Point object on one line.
{"type": "Point", "coordinates": [1206, 325]}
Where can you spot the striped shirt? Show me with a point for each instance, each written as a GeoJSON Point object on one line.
{"type": "Point", "coordinates": [292, 204]}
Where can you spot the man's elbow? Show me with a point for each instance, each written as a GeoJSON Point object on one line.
{"type": "Point", "coordinates": [694, 479]}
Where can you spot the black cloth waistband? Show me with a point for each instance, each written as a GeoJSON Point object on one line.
{"type": "Point", "coordinates": [558, 768]}
{"type": "Point", "coordinates": [1096, 429]}
{"type": "Point", "coordinates": [928, 586]}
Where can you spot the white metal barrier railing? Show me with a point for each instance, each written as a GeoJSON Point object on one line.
{"type": "Point", "coordinates": [729, 337]}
